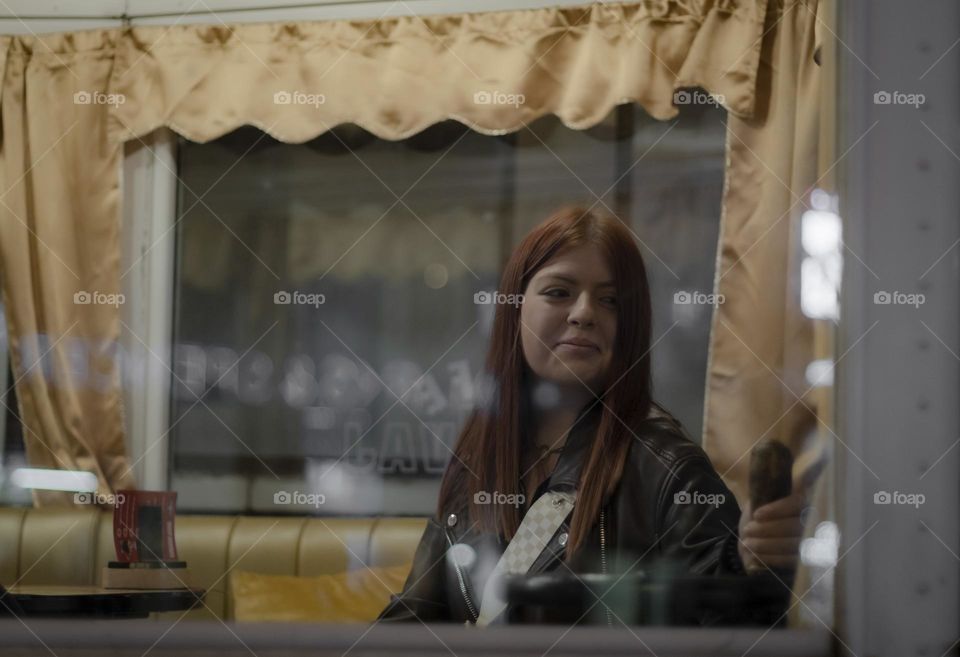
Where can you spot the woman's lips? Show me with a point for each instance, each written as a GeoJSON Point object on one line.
{"type": "Point", "coordinates": [577, 349]}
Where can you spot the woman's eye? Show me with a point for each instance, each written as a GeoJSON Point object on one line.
{"type": "Point", "coordinates": [560, 292]}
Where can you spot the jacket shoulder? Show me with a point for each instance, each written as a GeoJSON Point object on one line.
{"type": "Point", "coordinates": [662, 436]}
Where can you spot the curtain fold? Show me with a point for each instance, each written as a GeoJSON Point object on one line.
{"type": "Point", "coordinates": [761, 343]}
{"type": "Point", "coordinates": [394, 77]}
{"type": "Point", "coordinates": [60, 253]}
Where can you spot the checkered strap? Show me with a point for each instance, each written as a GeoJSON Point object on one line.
{"type": "Point", "coordinates": [537, 528]}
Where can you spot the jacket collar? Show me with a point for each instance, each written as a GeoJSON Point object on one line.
{"type": "Point", "coordinates": [566, 474]}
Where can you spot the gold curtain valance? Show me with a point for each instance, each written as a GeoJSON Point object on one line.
{"type": "Point", "coordinates": [396, 76]}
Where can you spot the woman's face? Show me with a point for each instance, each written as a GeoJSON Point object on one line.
{"type": "Point", "coordinates": [570, 298]}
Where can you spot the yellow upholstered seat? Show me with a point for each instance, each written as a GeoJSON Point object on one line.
{"type": "Point", "coordinates": [72, 545]}
{"type": "Point", "coordinates": [356, 596]}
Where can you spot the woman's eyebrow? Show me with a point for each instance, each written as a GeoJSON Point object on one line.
{"type": "Point", "coordinates": [573, 281]}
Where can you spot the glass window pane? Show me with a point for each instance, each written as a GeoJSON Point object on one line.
{"type": "Point", "coordinates": [326, 333]}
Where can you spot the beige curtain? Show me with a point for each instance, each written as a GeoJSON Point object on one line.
{"type": "Point", "coordinates": [396, 76]}
{"type": "Point", "coordinates": [493, 71]}
{"type": "Point", "coordinates": [60, 251]}
{"type": "Point", "coordinates": [761, 344]}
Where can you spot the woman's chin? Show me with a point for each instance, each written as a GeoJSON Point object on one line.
{"type": "Point", "coordinates": [577, 376]}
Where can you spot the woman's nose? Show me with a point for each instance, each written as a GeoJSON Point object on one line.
{"type": "Point", "coordinates": [582, 311]}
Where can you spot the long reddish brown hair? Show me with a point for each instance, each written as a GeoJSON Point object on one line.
{"type": "Point", "coordinates": [496, 433]}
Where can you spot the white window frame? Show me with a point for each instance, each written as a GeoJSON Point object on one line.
{"type": "Point", "coordinates": [149, 184]}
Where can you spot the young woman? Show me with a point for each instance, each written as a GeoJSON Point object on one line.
{"type": "Point", "coordinates": [570, 410]}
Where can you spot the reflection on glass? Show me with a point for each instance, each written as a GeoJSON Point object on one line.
{"type": "Point", "coordinates": [335, 299]}
{"type": "Point", "coordinates": [326, 293]}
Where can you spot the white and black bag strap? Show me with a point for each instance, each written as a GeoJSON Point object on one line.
{"type": "Point", "coordinates": [537, 527]}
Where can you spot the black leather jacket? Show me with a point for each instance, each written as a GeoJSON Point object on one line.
{"type": "Point", "coordinates": [656, 514]}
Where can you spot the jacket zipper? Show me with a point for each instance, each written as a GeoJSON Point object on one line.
{"type": "Point", "coordinates": [603, 559]}
{"type": "Point", "coordinates": [462, 582]}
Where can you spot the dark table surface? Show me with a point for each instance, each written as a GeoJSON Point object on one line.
{"type": "Point", "coordinates": [96, 602]}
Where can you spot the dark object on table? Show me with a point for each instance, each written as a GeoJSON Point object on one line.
{"type": "Point", "coordinates": [771, 473]}
{"type": "Point", "coordinates": [641, 599]}
{"type": "Point", "coordinates": [771, 478]}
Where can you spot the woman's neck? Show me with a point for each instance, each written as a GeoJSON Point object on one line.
{"type": "Point", "coordinates": [552, 423]}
